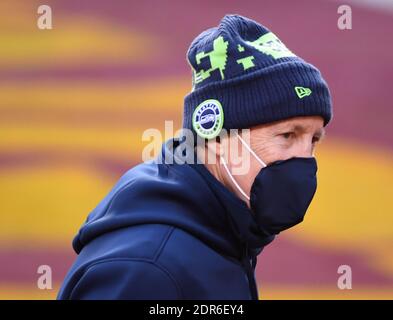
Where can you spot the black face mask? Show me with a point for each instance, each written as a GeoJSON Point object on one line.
{"type": "Point", "coordinates": [282, 192]}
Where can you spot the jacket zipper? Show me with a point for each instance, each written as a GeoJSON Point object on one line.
{"type": "Point", "coordinates": [250, 269]}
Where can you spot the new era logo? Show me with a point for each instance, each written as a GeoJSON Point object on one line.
{"type": "Point", "coordinates": [302, 92]}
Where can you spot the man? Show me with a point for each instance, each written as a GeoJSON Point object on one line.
{"type": "Point", "coordinates": [192, 230]}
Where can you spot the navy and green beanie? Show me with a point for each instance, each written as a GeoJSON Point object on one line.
{"type": "Point", "coordinates": [243, 75]}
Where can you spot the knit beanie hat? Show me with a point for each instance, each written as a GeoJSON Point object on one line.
{"type": "Point", "coordinates": [243, 75]}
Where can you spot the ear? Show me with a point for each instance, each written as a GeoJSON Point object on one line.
{"type": "Point", "coordinates": [213, 147]}
{"type": "Point", "coordinates": [218, 145]}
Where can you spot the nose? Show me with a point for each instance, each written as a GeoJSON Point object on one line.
{"type": "Point", "coordinates": [304, 149]}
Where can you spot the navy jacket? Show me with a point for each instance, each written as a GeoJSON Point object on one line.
{"type": "Point", "coordinates": [166, 231]}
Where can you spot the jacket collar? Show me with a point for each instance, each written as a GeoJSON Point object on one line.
{"type": "Point", "coordinates": [241, 222]}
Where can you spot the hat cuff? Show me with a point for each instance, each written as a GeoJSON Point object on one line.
{"type": "Point", "coordinates": [264, 96]}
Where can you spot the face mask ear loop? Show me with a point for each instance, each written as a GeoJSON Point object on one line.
{"type": "Point", "coordinates": [233, 179]}
{"type": "Point", "coordinates": [251, 151]}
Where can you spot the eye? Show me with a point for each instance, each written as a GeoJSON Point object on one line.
{"type": "Point", "coordinates": [316, 139]}
{"type": "Point", "coordinates": [287, 135]}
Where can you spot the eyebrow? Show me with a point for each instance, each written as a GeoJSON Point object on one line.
{"type": "Point", "coordinates": [300, 128]}
{"type": "Point", "coordinates": [322, 133]}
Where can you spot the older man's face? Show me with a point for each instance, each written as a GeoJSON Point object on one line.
{"type": "Point", "coordinates": [281, 140]}
{"type": "Point", "coordinates": [295, 137]}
